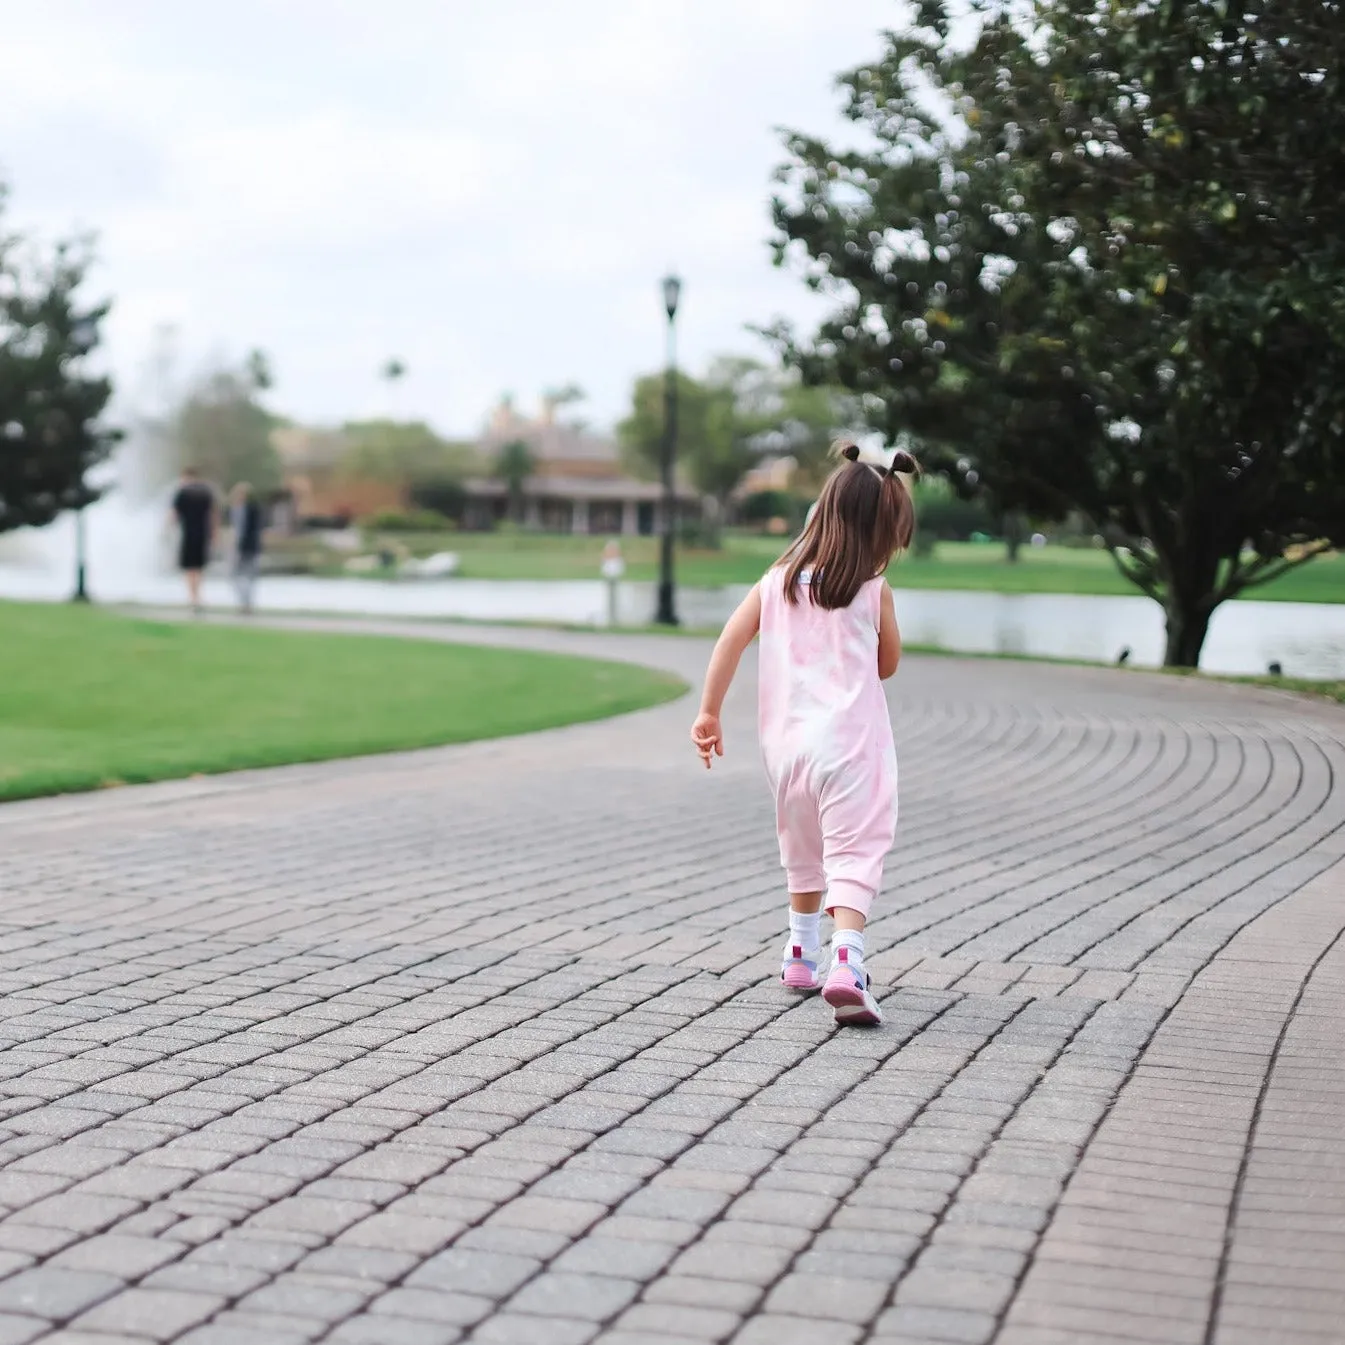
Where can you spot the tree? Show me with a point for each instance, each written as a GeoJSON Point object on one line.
{"type": "Point", "coordinates": [788, 418]}
{"type": "Point", "coordinates": [51, 429]}
{"type": "Point", "coordinates": [401, 451]}
{"type": "Point", "coordinates": [1093, 261]}
{"type": "Point", "coordinates": [221, 428]}
{"type": "Point", "coordinates": [740, 413]}
{"type": "Point", "coordinates": [514, 466]}
{"type": "Point", "coordinates": [567, 395]}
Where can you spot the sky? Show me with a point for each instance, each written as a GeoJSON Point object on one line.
{"type": "Point", "coordinates": [489, 190]}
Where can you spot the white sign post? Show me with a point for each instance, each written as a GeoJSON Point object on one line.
{"type": "Point", "coordinates": [613, 567]}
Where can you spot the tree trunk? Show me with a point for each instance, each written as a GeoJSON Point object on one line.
{"type": "Point", "coordinates": [1015, 533]}
{"type": "Point", "coordinates": [1187, 624]}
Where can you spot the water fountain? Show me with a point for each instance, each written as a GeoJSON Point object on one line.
{"type": "Point", "coordinates": [128, 543]}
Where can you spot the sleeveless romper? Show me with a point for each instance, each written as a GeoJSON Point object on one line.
{"type": "Point", "coordinates": [826, 739]}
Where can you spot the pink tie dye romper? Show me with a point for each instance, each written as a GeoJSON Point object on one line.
{"type": "Point", "coordinates": [826, 739]}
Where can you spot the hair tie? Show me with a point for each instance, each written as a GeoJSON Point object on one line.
{"type": "Point", "coordinates": [851, 452]}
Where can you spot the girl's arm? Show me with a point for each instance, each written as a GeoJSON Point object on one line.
{"type": "Point", "coordinates": [740, 631]}
{"type": "Point", "coordinates": [889, 637]}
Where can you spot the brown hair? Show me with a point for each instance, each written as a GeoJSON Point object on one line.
{"type": "Point", "coordinates": [864, 516]}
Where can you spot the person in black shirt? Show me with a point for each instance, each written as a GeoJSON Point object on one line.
{"type": "Point", "coordinates": [194, 508]}
{"type": "Point", "coordinates": [245, 521]}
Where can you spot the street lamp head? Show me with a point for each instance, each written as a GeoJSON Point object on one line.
{"type": "Point", "coordinates": [672, 291]}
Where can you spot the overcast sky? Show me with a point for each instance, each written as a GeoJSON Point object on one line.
{"type": "Point", "coordinates": [489, 189]}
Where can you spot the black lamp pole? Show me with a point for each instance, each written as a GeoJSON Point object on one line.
{"type": "Point", "coordinates": [83, 338]}
{"type": "Point", "coordinates": [666, 614]}
{"type": "Point", "coordinates": [81, 593]}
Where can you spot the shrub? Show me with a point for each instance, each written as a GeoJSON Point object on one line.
{"type": "Point", "coordinates": [442, 495]}
{"type": "Point", "coordinates": [764, 505]}
{"type": "Point", "coordinates": [942, 517]}
{"type": "Point", "coordinates": [411, 520]}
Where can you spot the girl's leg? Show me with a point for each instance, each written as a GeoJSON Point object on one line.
{"type": "Point", "coordinates": [859, 824]}
{"type": "Point", "coordinates": [801, 968]}
{"type": "Point", "coordinates": [800, 833]}
{"type": "Point", "coordinates": [803, 965]}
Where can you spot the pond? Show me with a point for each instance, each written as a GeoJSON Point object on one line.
{"type": "Point", "coordinates": [1307, 639]}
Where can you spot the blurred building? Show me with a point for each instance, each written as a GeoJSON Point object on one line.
{"type": "Point", "coordinates": [577, 483]}
{"type": "Point", "coordinates": [771, 474]}
{"type": "Point", "coordinates": [315, 488]}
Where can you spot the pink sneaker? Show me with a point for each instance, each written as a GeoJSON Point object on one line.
{"type": "Point", "coordinates": [847, 991]}
{"type": "Point", "coordinates": [801, 968]}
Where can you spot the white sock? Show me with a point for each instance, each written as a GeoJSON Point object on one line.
{"type": "Point", "coordinates": [805, 930]}
{"type": "Point", "coordinates": [852, 940]}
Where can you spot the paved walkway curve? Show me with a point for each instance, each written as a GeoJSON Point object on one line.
{"type": "Point", "coordinates": [482, 1043]}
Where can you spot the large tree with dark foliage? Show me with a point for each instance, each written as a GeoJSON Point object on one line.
{"type": "Point", "coordinates": [51, 431]}
{"type": "Point", "coordinates": [1092, 254]}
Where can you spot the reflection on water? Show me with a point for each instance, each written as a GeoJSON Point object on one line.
{"type": "Point", "coordinates": [1307, 639]}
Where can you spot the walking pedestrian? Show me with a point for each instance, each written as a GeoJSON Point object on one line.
{"type": "Point", "coordinates": [829, 638]}
{"type": "Point", "coordinates": [245, 522]}
{"type": "Point", "coordinates": [194, 510]}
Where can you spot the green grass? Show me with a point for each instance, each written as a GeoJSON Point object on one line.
{"type": "Point", "coordinates": [90, 699]}
{"type": "Point", "coordinates": [744, 557]}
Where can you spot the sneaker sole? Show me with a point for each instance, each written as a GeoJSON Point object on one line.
{"type": "Point", "coordinates": [799, 980]}
{"type": "Point", "coordinates": [854, 1007]}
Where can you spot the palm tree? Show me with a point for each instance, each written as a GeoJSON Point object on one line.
{"type": "Point", "coordinates": [514, 466]}
{"type": "Point", "coordinates": [392, 373]}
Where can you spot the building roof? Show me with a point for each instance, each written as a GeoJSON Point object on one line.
{"type": "Point", "coordinates": [549, 439]}
{"type": "Point", "coordinates": [300, 446]}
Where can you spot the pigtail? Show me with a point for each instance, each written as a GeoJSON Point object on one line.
{"type": "Point", "coordinates": [904, 463]}
{"type": "Point", "coordinates": [901, 462]}
{"type": "Point", "coordinates": [861, 520]}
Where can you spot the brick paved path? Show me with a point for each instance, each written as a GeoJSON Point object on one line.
{"type": "Point", "coordinates": [482, 1044]}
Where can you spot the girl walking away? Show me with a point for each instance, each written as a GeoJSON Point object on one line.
{"type": "Point", "coordinates": [828, 640]}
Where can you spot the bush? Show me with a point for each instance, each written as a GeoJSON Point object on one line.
{"type": "Point", "coordinates": [764, 505]}
{"type": "Point", "coordinates": [700, 534]}
{"type": "Point", "coordinates": [945, 518]}
{"type": "Point", "coordinates": [411, 520]}
{"type": "Point", "coordinates": [443, 495]}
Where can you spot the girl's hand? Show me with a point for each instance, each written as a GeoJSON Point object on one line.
{"type": "Point", "coordinates": [708, 737]}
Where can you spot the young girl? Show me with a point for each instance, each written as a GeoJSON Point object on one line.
{"type": "Point", "coordinates": [828, 638]}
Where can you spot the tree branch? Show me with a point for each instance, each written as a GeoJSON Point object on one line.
{"type": "Point", "coordinates": [1140, 573]}
{"type": "Point", "coordinates": [1264, 569]}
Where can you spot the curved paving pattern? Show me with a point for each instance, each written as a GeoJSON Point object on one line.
{"type": "Point", "coordinates": [481, 1044]}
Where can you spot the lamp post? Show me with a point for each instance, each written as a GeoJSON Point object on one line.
{"type": "Point", "coordinates": [81, 593]}
{"type": "Point", "coordinates": [83, 338]}
{"type": "Point", "coordinates": [666, 615]}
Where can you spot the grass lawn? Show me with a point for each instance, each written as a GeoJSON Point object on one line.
{"type": "Point", "coordinates": [89, 699]}
{"type": "Point", "coordinates": [954, 565]}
